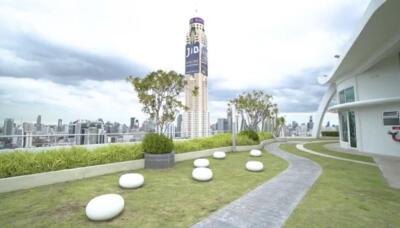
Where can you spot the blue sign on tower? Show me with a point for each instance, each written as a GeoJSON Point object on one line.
{"type": "Point", "coordinates": [192, 58]}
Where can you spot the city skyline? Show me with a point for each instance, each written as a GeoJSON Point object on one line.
{"type": "Point", "coordinates": [77, 70]}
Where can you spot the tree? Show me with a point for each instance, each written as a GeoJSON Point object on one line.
{"type": "Point", "coordinates": [254, 107]}
{"type": "Point", "coordinates": [158, 92]}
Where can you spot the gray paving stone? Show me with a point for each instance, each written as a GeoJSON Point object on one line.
{"type": "Point", "coordinates": [270, 204]}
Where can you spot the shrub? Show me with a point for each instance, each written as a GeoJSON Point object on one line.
{"type": "Point", "coordinates": [264, 135]}
{"type": "Point", "coordinates": [218, 140]}
{"type": "Point", "coordinates": [157, 144]}
{"type": "Point", "coordinates": [251, 134]}
{"type": "Point", "coordinates": [23, 163]}
{"type": "Point", "coordinates": [330, 133]}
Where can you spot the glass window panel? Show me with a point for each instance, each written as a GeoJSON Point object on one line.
{"type": "Point", "coordinates": [342, 98]}
{"type": "Point", "coordinates": [343, 127]}
{"type": "Point", "coordinates": [349, 94]}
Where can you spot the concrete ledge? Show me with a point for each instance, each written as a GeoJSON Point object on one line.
{"type": "Point", "coordinates": [39, 179]}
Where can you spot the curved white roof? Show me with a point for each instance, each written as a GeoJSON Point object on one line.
{"type": "Point", "coordinates": [377, 37]}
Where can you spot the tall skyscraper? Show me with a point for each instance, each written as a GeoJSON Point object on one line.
{"type": "Point", "coordinates": [59, 125]}
{"type": "Point", "coordinates": [39, 123]}
{"type": "Point", "coordinates": [178, 130]}
{"type": "Point", "coordinates": [8, 126]}
{"type": "Point", "coordinates": [196, 120]}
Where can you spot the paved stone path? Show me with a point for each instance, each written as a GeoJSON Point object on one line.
{"type": "Point", "coordinates": [270, 204]}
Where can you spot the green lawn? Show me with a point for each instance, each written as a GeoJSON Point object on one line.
{"type": "Point", "coordinates": [346, 195]}
{"type": "Point", "coordinates": [319, 147]}
{"type": "Point", "coordinates": [169, 198]}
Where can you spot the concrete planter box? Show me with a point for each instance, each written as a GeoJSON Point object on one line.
{"type": "Point", "coordinates": [159, 161]}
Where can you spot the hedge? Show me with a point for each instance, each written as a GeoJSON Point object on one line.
{"type": "Point", "coordinates": [23, 163]}
{"type": "Point", "coordinates": [330, 133]}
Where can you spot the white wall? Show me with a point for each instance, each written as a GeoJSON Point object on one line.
{"type": "Point", "coordinates": [381, 81]}
{"type": "Point", "coordinates": [375, 138]}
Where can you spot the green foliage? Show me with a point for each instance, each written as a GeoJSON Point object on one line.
{"type": "Point", "coordinates": [264, 135]}
{"type": "Point", "coordinates": [251, 134]}
{"type": "Point", "coordinates": [218, 140]}
{"type": "Point", "coordinates": [158, 92]}
{"type": "Point", "coordinates": [22, 163]}
{"type": "Point", "coordinates": [345, 191]}
{"type": "Point", "coordinates": [254, 107]}
{"type": "Point", "coordinates": [330, 133]}
{"type": "Point", "coordinates": [154, 143]}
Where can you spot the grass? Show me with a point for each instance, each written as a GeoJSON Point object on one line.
{"type": "Point", "coordinates": [23, 163]}
{"type": "Point", "coordinates": [346, 195]}
{"type": "Point", "coordinates": [169, 198]}
{"type": "Point", "coordinates": [319, 147]}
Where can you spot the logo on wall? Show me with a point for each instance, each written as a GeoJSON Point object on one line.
{"type": "Point", "coordinates": [192, 58]}
{"type": "Point", "coordinates": [396, 134]}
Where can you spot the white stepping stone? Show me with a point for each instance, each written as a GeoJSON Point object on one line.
{"type": "Point", "coordinates": [131, 180]}
{"type": "Point", "coordinates": [254, 166]}
{"type": "Point", "coordinates": [255, 153]}
{"type": "Point", "coordinates": [104, 207]}
{"type": "Point", "coordinates": [202, 174]}
{"type": "Point", "coordinates": [201, 163]}
{"type": "Point", "coordinates": [219, 155]}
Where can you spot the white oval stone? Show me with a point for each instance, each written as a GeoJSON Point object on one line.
{"type": "Point", "coordinates": [255, 153]}
{"type": "Point", "coordinates": [201, 163]}
{"type": "Point", "coordinates": [219, 155]}
{"type": "Point", "coordinates": [104, 207]}
{"type": "Point", "coordinates": [254, 166]}
{"type": "Point", "coordinates": [202, 174]}
{"type": "Point", "coordinates": [131, 180]}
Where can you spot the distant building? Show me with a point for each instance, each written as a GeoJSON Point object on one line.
{"type": "Point", "coordinates": [310, 124]}
{"type": "Point", "coordinates": [59, 125]}
{"type": "Point", "coordinates": [148, 126]}
{"type": "Point", "coordinates": [222, 125]}
{"type": "Point", "coordinates": [178, 130]}
{"type": "Point", "coordinates": [134, 124]}
{"type": "Point", "coordinates": [8, 126]}
{"type": "Point", "coordinates": [39, 123]}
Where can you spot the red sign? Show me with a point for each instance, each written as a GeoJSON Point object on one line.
{"type": "Point", "coordinates": [396, 128]}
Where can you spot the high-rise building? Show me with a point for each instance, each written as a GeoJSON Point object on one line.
{"type": "Point", "coordinates": [178, 130]}
{"type": "Point", "coordinates": [310, 124]}
{"type": "Point", "coordinates": [39, 123]}
{"type": "Point", "coordinates": [196, 120]}
{"type": "Point", "coordinates": [59, 125]}
{"type": "Point", "coordinates": [8, 126]}
{"type": "Point", "coordinates": [222, 125]}
{"type": "Point", "coordinates": [134, 123]}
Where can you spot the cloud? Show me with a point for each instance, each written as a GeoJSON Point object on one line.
{"type": "Point", "coordinates": [25, 98]}
{"type": "Point", "coordinates": [62, 48]}
{"type": "Point", "coordinates": [28, 55]}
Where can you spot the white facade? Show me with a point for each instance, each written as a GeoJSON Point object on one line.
{"type": "Point", "coordinates": [367, 84]}
{"type": "Point", "coordinates": [196, 120]}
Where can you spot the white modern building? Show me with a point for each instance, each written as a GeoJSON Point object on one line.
{"type": "Point", "coordinates": [366, 83]}
{"type": "Point", "coordinates": [196, 120]}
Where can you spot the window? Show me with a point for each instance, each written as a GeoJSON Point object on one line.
{"type": "Point", "coordinates": [346, 95]}
{"type": "Point", "coordinates": [391, 118]}
{"type": "Point", "coordinates": [343, 126]}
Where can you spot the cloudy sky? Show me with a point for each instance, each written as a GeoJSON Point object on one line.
{"type": "Point", "coordinates": [69, 59]}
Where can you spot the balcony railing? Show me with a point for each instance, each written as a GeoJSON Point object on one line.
{"type": "Point", "coordinates": [29, 140]}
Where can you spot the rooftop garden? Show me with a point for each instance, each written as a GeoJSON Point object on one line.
{"type": "Point", "coordinates": [23, 163]}
{"type": "Point", "coordinates": [169, 198]}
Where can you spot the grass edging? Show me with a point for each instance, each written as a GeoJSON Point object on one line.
{"type": "Point", "coordinates": [46, 178]}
